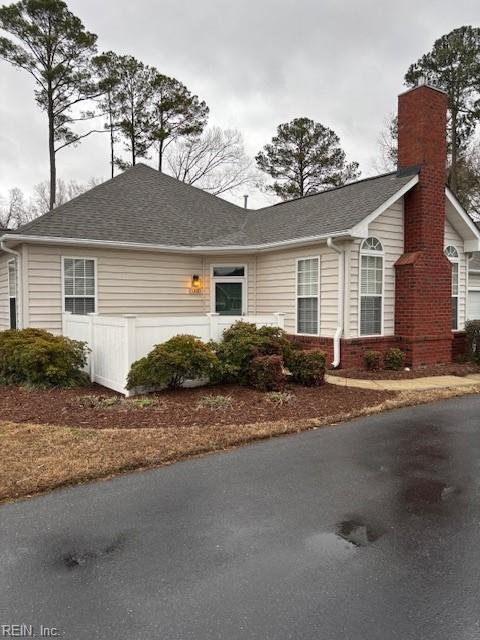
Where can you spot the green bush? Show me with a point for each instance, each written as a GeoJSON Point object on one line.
{"type": "Point", "coordinates": [373, 360]}
{"type": "Point", "coordinates": [307, 367]}
{"type": "Point", "coordinates": [266, 373]}
{"type": "Point", "coordinates": [169, 364]}
{"type": "Point", "coordinates": [242, 342]}
{"type": "Point", "coordinates": [39, 358]}
{"type": "Point", "coordinates": [472, 329]}
{"type": "Point", "coordinates": [394, 359]}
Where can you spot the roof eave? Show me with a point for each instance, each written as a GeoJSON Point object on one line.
{"type": "Point", "coordinates": [203, 249]}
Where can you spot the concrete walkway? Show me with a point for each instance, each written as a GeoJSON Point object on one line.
{"type": "Point", "coordinates": [413, 384]}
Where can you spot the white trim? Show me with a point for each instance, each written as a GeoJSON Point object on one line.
{"type": "Point", "coordinates": [241, 279]}
{"type": "Point", "coordinates": [204, 249]}
{"type": "Point", "coordinates": [470, 245]}
{"type": "Point", "coordinates": [14, 261]}
{"type": "Point", "coordinates": [360, 230]}
{"type": "Point", "coordinates": [456, 261]}
{"type": "Point", "coordinates": [297, 260]}
{"type": "Point", "coordinates": [376, 254]}
{"type": "Point", "coordinates": [95, 279]}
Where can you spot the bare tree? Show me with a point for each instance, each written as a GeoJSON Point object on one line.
{"type": "Point", "coordinates": [214, 161]}
{"type": "Point", "coordinates": [65, 192]}
{"type": "Point", "coordinates": [15, 210]}
{"type": "Point", "coordinates": [387, 142]}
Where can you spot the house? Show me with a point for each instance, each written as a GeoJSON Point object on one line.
{"type": "Point", "coordinates": [377, 263]}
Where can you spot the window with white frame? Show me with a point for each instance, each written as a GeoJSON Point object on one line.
{"type": "Point", "coordinates": [79, 285]}
{"type": "Point", "coordinates": [452, 254]}
{"type": "Point", "coordinates": [371, 287]}
{"type": "Point", "coordinates": [308, 288]}
{"type": "Point", "coordinates": [228, 290]}
{"type": "Point", "coordinates": [12, 292]}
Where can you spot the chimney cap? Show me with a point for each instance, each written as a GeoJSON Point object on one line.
{"type": "Point", "coordinates": [423, 81]}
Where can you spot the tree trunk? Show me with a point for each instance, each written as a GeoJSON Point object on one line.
{"type": "Point", "coordinates": [453, 169]}
{"type": "Point", "coordinates": [51, 148]}
{"type": "Point", "coordinates": [160, 155]}
{"type": "Point", "coordinates": [112, 140]}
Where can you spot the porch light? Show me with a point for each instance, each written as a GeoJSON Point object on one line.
{"type": "Point", "coordinates": [196, 284]}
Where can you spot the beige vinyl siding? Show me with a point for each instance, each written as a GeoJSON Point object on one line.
{"type": "Point", "coordinates": [452, 238]}
{"type": "Point", "coordinates": [235, 260]}
{"type": "Point", "coordinates": [388, 228]}
{"type": "Point", "coordinates": [276, 285]}
{"type": "Point", "coordinates": [474, 280]}
{"type": "Point", "coordinates": [4, 293]}
{"type": "Point", "coordinates": [137, 282]}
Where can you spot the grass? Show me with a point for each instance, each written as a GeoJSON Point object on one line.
{"type": "Point", "coordinates": [280, 398]}
{"type": "Point", "coordinates": [37, 458]}
{"type": "Point", "coordinates": [215, 402]}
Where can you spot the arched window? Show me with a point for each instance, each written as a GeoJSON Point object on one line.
{"type": "Point", "coordinates": [452, 254]}
{"type": "Point", "coordinates": [371, 287]}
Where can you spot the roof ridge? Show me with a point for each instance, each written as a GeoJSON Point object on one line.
{"type": "Point", "coordinates": [319, 193]}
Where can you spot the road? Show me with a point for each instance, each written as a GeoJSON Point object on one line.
{"type": "Point", "coordinates": [370, 530]}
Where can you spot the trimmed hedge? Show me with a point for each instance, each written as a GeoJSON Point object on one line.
{"type": "Point", "coordinates": [39, 358]}
{"type": "Point", "coordinates": [242, 342]}
{"type": "Point", "coordinates": [472, 329]}
{"type": "Point", "coordinates": [307, 367]}
{"type": "Point", "coordinates": [169, 364]}
{"type": "Point", "coordinates": [394, 359]}
{"type": "Point", "coordinates": [373, 360]}
{"type": "Point", "coordinates": [266, 373]}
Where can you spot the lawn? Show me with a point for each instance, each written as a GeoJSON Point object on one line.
{"type": "Point", "coordinates": [60, 437]}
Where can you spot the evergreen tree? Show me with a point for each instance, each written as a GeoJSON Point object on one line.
{"type": "Point", "coordinates": [52, 45]}
{"type": "Point", "coordinates": [303, 158]}
{"type": "Point", "coordinates": [453, 65]}
{"type": "Point", "coordinates": [176, 113]}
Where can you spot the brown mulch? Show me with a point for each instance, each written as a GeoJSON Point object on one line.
{"type": "Point", "coordinates": [453, 369]}
{"type": "Point", "coordinates": [178, 409]}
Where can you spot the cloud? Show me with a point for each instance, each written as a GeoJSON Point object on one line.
{"type": "Point", "coordinates": [256, 63]}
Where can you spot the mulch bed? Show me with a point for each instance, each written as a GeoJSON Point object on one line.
{"type": "Point", "coordinates": [418, 372]}
{"type": "Point", "coordinates": [178, 409]}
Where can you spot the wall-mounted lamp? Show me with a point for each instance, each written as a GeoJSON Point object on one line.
{"type": "Point", "coordinates": [196, 285]}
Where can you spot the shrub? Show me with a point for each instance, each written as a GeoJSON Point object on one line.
{"type": "Point", "coordinates": [472, 329]}
{"type": "Point", "coordinates": [394, 359]}
{"type": "Point", "coordinates": [169, 364]}
{"type": "Point", "coordinates": [97, 402]}
{"type": "Point", "coordinates": [38, 358]}
{"type": "Point", "coordinates": [266, 373]}
{"type": "Point", "coordinates": [373, 360]}
{"type": "Point", "coordinates": [280, 398]}
{"type": "Point", "coordinates": [242, 342]}
{"type": "Point", "coordinates": [215, 402]}
{"type": "Point", "coordinates": [308, 367]}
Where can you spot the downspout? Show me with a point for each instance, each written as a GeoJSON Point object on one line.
{"type": "Point", "coordinates": [341, 298]}
{"type": "Point", "coordinates": [18, 261]}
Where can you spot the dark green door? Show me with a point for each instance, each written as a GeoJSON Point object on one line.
{"type": "Point", "coordinates": [228, 298]}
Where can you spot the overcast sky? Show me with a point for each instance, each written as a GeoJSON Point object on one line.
{"type": "Point", "coordinates": [256, 63]}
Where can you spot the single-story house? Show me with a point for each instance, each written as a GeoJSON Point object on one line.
{"type": "Point", "coordinates": [384, 261]}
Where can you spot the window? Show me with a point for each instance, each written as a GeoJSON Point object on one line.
{"type": "Point", "coordinates": [371, 287]}
{"type": "Point", "coordinates": [12, 292]}
{"type": "Point", "coordinates": [79, 285]}
{"type": "Point", "coordinates": [229, 289]}
{"type": "Point", "coordinates": [452, 255]}
{"type": "Point", "coordinates": [307, 295]}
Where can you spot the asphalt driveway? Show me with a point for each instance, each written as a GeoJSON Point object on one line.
{"type": "Point", "coordinates": [366, 531]}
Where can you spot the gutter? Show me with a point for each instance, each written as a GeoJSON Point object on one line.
{"type": "Point", "coordinates": [341, 298]}
{"type": "Point", "coordinates": [203, 249]}
{"type": "Point", "coordinates": [18, 262]}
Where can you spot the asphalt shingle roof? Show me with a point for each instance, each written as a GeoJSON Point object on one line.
{"type": "Point", "coordinates": [142, 205]}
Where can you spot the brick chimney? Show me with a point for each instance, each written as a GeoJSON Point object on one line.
{"type": "Point", "coordinates": [423, 275]}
